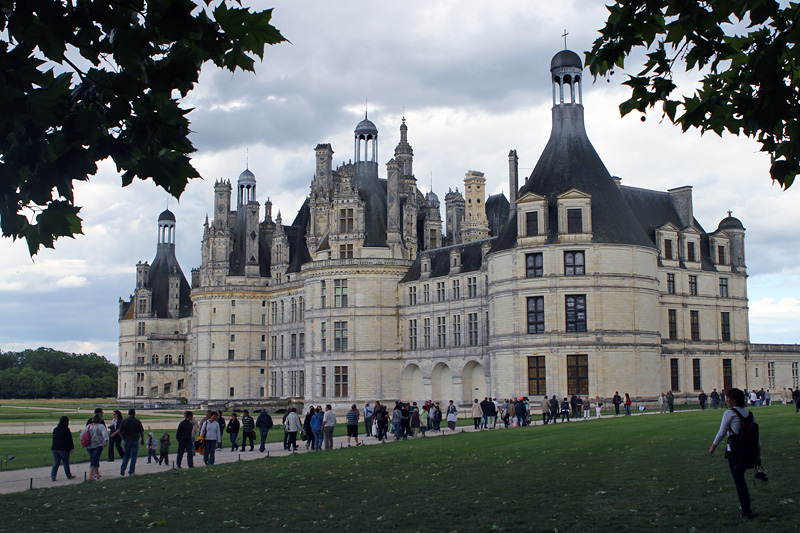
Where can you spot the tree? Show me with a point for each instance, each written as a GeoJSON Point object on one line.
{"type": "Point", "coordinates": [83, 81]}
{"type": "Point", "coordinates": [745, 51]}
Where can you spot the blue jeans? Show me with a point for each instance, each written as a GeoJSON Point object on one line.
{"type": "Point", "coordinates": [94, 456]}
{"type": "Point", "coordinates": [627, 409]}
{"type": "Point", "coordinates": [59, 457]}
{"type": "Point", "coordinates": [210, 452]}
{"type": "Point", "coordinates": [186, 446]}
{"type": "Point", "coordinates": [151, 454]}
{"type": "Point", "coordinates": [264, 433]}
{"type": "Point", "coordinates": [234, 444]}
{"type": "Point", "coordinates": [131, 453]}
{"type": "Point", "coordinates": [318, 435]}
{"type": "Point", "coordinates": [520, 420]}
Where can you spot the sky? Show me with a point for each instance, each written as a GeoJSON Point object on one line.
{"type": "Point", "coordinates": [472, 80]}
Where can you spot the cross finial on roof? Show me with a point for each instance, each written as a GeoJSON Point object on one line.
{"type": "Point", "coordinates": [247, 158]}
{"type": "Point", "coordinates": [564, 35]}
{"type": "Point", "coordinates": [730, 213]}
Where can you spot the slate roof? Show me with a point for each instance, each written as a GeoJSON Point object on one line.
{"type": "Point", "coordinates": [238, 259]}
{"type": "Point", "coordinates": [471, 260]}
{"type": "Point", "coordinates": [158, 281]}
{"type": "Point", "coordinates": [497, 213]}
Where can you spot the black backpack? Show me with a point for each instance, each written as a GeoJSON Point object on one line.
{"type": "Point", "coordinates": [744, 446]}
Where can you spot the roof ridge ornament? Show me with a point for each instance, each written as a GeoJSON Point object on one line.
{"type": "Point", "coordinates": [564, 35]}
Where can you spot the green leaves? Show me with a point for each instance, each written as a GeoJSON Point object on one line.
{"type": "Point", "coordinates": [744, 51]}
{"type": "Point", "coordinates": [119, 68]}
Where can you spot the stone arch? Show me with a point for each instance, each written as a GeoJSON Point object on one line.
{"type": "Point", "coordinates": [473, 382]}
{"type": "Point", "coordinates": [442, 384]}
{"type": "Point", "coordinates": [411, 388]}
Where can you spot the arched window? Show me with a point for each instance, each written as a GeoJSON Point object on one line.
{"type": "Point", "coordinates": [168, 359]}
{"type": "Point", "coordinates": [154, 359]}
{"type": "Point", "coordinates": [181, 359]}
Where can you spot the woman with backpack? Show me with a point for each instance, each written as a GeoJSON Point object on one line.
{"type": "Point", "coordinates": [94, 438]}
{"type": "Point", "coordinates": [743, 450]}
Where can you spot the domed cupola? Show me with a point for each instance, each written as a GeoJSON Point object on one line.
{"type": "Point", "coordinates": [166, 228]}
{"type": "Point", "coordinates": [366, 148]}
{"type": "Point", "coordinates": [730, 222]}
{"type": "Point", "coordinates": [432, 199]}
{"type": "Point", "coordinates": [166, 215]}
{"type": "Point", "coordinates": [246, 188]}
{"type": "Point", "coordinates": [566, 70]}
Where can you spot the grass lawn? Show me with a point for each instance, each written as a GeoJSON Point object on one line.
{"type": "Point", "coordinates": [616, 474]}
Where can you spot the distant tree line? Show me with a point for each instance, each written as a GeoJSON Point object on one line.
{"type": "Point", "coordinates": [49, 373]}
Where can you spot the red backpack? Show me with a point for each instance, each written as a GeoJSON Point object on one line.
{"type": "Point", "coordinates": [86, 438]}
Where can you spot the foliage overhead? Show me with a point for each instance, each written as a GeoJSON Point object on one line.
{"type": "Point", "coordinates": [746, 52]}
{"type": "Point", "coordinates": [83, 81]}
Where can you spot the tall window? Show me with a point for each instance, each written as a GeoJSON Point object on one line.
{"type": "Point", "coordinates": [673, 324]}
{"type": "Point", "coordinates": [698, 384]}
{"type": "Point", "coordinates": [531, 223]}
{"type": "Point", "coordinates": [293, 383]}
{"type": "Point", "coordinates": [293, 349]}
{"type": "Point", "coordinates": [168, 359]}
{"type": "Point", "coordinates": [690, 256]}
{"type": "Point", "coordinates": [441, 291]}
{"type": "Point", "coordinates": [674, 375]}
{"type": "Point", "coordinates": [472, 329]}
{"type": "Point", "coordinates": [323, 293]}
{"type": "Point", "coordinates": [441, 331]}
{"type": "Point", "coordinates": [534, 265]}
{"type": "Point", "coordinates": [574, 221]}
{"type": "Point", "coordinates": [727, 374]}
{"type": "Point", "coordinates": [301, 308]}
{"type": "Point", "coordinates": [795, 375]}
{"type": "Point", "coordinates": [263, 355]}
{"type": "Point", "coordinates": [456, 330]}
{"type": "Point", "coordinates": [693, 285]}
{"type": "Point", "coordinates": [574, 264]}
{"type": "Point", "coordinates": [456, 289]}
{"type": "Point", "coordinates": [140, 330]}
{"type": "Point", "coordinates": [302, 343]}
{"type": "Point", "coordinates": [771, 374]}
{"type": "Point", "coordinates": [340, 336]}
{"type": "Point", "coordinates": [323, 381]}
{"type": "Point", "coordinates": [412, 296]}
{"type": "Point", "coordinates": [233, 319]}
{"type": "Point", "coordinates": [412, 334]}
{"type": "Point", "coordinates": [536, 376]}
{"type": "Point", "coordinates": [576, 312]}
{"type": "Point", "coordinates": [723, 287]}
{"type": "Point", "coordinates": [345, 251]}
{"type": "Point", "coordinates": [345, 220]}
{"type": "Point", "coordinates": [426, 294]}
{"type": "Point", "coordinates": [426, 333]}
{"type": "Point", "coordinates": [282, 314]}
{"type": "Point", "coordinates": [323, 337]}
{"type": "Point", "coordinates": [694, 321]}
{"type": "Point", "coordinates": [340, 293]}
{"type": "Point", "coordinates": [154, 359]}
{"type": "Point", "coordinates": [293, 310]}
{"type": "Point", "coordinates": [721, 255]}
{"type": "Point", "coordinates": [273, 348]}
{"type": "Point", "coordinates": [577, 374]}
{"type": "Point", "coordinates": [281, 348]}
{"type": "Point", "coordinates": [340, 381]}
{"type": "Point", "coordinates": [725, 326]}
{"type": "Point", "coordinates": [536, 314]}
{"type": "Point", "coordinates": [472, 287]}
{"type": "Point", "coordinates": [671, 283]}
{"type": "Point", "coordinates": [273, 383]}
{"type": "Point", "coordinates": [668, 248]}
{"type": "Point", "coordinates": [181, 360]}
{"type": "Point", "coordinates": [273, 315]}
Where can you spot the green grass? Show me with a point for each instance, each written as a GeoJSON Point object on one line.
{"type": "Point", "coordinates": [623, 474]}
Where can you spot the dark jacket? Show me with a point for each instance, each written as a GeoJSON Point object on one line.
{"type": "Point", "coordinates": [264, 421]}
{"type": "Point", "coordinates": [519, 408]}
{"type": "Point", "coordinates": [248, 424]}
{"type": "Point", "coordinates": [131, 429]}
{"type": "Point", "coordinates": [62, 439]}
{"type": "Point", "coordinates": [184, 430]}
{"type": "Point", "coordinates": [233, 426]}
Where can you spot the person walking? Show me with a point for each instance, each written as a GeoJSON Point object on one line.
{"type": "Point", "coordinates": [545, 411]}
{"type": "Point", "coordinates": [369, 413]}
{"type": "Point", "coordinates": [436, 422]}
{"type": "Point", "coordinates": [212, 434]}
{"type": "Point", "coordinates": [152, 446]}
{"type": "Point", "coordinates": [308, 430]}
{"type": "Point", "coordinates": [163, 449]}
{"type": "Point", "coordinates": [293, 425]}
{"type": "Point", "coordinates": [477, 414]}
{"type": "Point", "coordinates": [554, 408]}
{"type": "Point", "coordinates": [328, 424]}
{"type": "Point", "coordinates": [185, 438]}
{"type": "Point", "coordinates": [62, 448]}
{"type": "Point", "coordinates": [565, 409]}
{"type": "Point", "coordinates": [731, 425]}
{"type": "Point", "coordinates": [233, 432]}
{"type": "Point", "coordinates": [316, 428]}
{"type": "Point", "coordinates": [627, 404]}
{"type": "Point", "coordinates": [424, 419]}
{"type": "Point", "coordinates": [98, 439]}
{"type": "Point", "coordinates": [616, 400]}
{"type": "Point", "coordinates": [671, 401]}
{"type": "Point", "coordinates": [264, 424]}
{"type": "Point", "coordinates": [248, 430]}
{"type": "Point", "coordinates": [586, 407]}
{"type": "Point", "coordinates": [132, 433]}
{"type": "Point", "coordinates": [114, 438]}
{"type": "Point", "coordinates": [597, 405]}
{"type": "Point", "coordinates": [352, 417]}
{"type": "Point", "coordinates": [452, 416]}
{"type": "Point", "coordinates": [662, 403]}
{"type": "Point", "coordinates": [714, 399]}
{"type": "Point", "coordinates": [703, 397]}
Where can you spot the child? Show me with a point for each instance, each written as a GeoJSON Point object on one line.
{"type": "Point", "coordinates": [164, 449]}
{"type": "Point", "coordinates": [151, 447]}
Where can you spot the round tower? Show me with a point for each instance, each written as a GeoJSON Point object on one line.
{"type": "Point", "coordinates": [166, 228]}
{"type": "Point", "coordinates": [246, 188]}
{"type": "Point", "coordinates": [566, 71]}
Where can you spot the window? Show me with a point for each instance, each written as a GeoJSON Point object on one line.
{"type": "Point", "coordinates": [671, 283]}
{"type": "Point", "coordinates": [263, 371]}
{"type": "Point", "coordinates": [281, 346]}
{"type": "Point", "coordinates": [723, 287]}
{"type": "Point", "coordinates": [693, 285]}
{"type": "Point", "coordinates": [412, 296]}
{"type": "Point", "coordinates": [574, 264]}
{"type": "Point", "coordinates": [140, 347]}
{"type": "Point", "coordinates": [233, 319]}
{"type": "Point", "coordinates": [536, 314]}
{"type": "Point", "coordinates": [727, 374]}
{"type": "Point", "coordinates": [233, 303]}
{"type": "Point", "coordinates": [273, 307]}
{"type": "Point", "coordinates": [154, 359]}
{"type": "Point", "coordinates": [301, 308]}
{"type": "Point", "coordinates": [456, 330]}
{"type": "Point", "coordinates": [323, 337]}
{"type": "Point", "coordinates": [140, 329]}
{"type": "Point", "coordinates": [534, 265]}
{"type": "Point", "coordinates": [180, 384]}
{"type": "Point", "coordinates": [167, 388]}
{"type": "Point", "coordinates": [345, 221]}
{"type": "Point", "coordinates": [293, 310]}
{"type": "Point", "coordinates": [725, 326]}
{"type": "Point", "coordinates": [340, 336]}
{"type": "Point", "coordinates": [139, 391]}
{"type": "Point", "coordinates": [293, 349]}
{"type": "Point", "coordinates": [426, 333]}
{"type": "Point", "coordinates": [263, 320]}
{"type": "Point", "coordinates": [322, 294]}
{"type": "Point", "coordinates": [577, 374]}
{"type": "Point", "coordinates": [412, 334]}
{"type": "Point", "coordinates": [674, 380]}
{"type": "Point", "coordinates": [472, 329]}
{"type": "Point", "coordinates": [698, 384]}
{"type": "Point", "coordinates": [273, 349]}
{"type": "Point", "coordinates": [323, 381]}
{"type": "Point", "coordinates": [168, 359]}
{"type": "Point", "coordinates": [263, 355]}
{"type": "Point", "coordinates": [231, 392]}
{"type": "Point", "coordinates": [673, 324]}
{"type": "Point", "coordinates": [574, 221]}
{"type": "Point", "coordinates": [302, 345]}
{"type": "Point", "coordinates": [345, 251]}
{"type": "Point", "coordinates": [536, 376]}
{"type": "Point", "coordinates": [795, 375]}
{"type": "Point", "coordinates": [472, 287]}
{"type": "Point", "coordinates": [273, 383]}
{"type": "Point", "coordinates": [441, 291]}
{"type": "Point", "coordinates": [233, 338]}
{"type": "Point", "coordinates": [721, 255]}
{"type": "Point", "coordinates": [301, 383]}
{"type": "Point", "coordinates": [441, 331]}
{"type": "Point", "coordinates": [282, 315]}
{"type": "Point", "coordinates": [181, 359]}
{"type": "Point", "coordinates": [668, 248]}
{"type": "Point", "coordinates": [531, 223]}
{"type": "Point", "coordinates": [426, 293]}
{"type": "Point", "coordinates": [231, 355]}
{"type": "Point", "coordinates": [140, 376]}
{"type": "Point", "coordinates": [261, 392]}
{"type": "Point", "coordinates": [690, 251]}
{"type": "Point", "coordinates": [576, 312]}
{"type": "Point", "coordinates": [340, 293]}
{"type": "Point", "coordinates": [456, 289]}
{"type": "Point", "coordinates": [694, 320]}
{"type": "Point", "coordinates": [340, 381]}
{"type": "Point", "coordinates": [770, 375]}
{"type": "Point", "coordinates": [293, 383]}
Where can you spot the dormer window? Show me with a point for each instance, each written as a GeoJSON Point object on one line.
{"type": "Point", "coordinates": [668, 248]}
{"type": "Point", "coordinates": [531, 223]}
{"type": "Point", "coordinates": [574, 221]}
{"type": "Point", "coordinates": [690, 252]}
{"type": "Point", "coordinates": [721, 255]}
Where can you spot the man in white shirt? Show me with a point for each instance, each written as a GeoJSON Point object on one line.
{"type": "Point", "coordinates": [328, 422]}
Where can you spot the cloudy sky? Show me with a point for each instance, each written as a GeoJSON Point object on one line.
{"type": "Point", "coordinates": [472, 80]}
